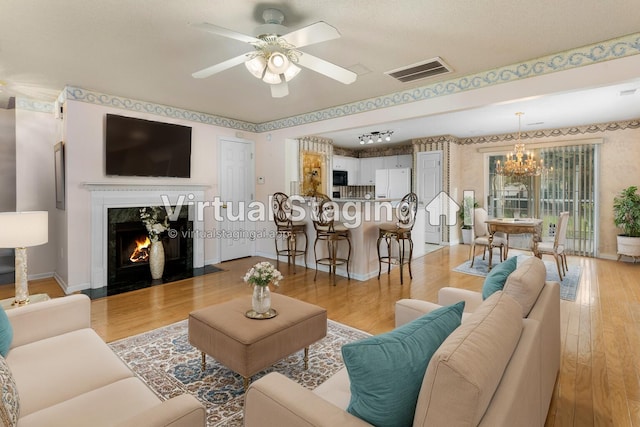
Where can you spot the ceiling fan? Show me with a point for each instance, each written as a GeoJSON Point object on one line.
{"type": "Point", "coordinates": [276, 57]}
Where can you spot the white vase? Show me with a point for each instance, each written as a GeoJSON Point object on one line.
{"type": "Point", "coordinates": [261, 299]}
{"type": "Point", "coordinates": [156, 259]}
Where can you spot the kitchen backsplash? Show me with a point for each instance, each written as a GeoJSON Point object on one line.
{"type": "Point", "coordinates": [355, 191]}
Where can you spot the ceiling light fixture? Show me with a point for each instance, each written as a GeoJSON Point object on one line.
{"type": "Point", "coordinates": [370, 138]}
{"type": "Point", "coordinates": [520, 163]}
{"type": "Point", "coordinates": [274, 63]}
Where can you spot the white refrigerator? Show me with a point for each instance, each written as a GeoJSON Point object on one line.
{"type": "Point", "coordinates": [393, 183]}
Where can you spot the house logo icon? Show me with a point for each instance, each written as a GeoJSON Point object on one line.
{"type": "Point", "coordinates": [442, 206]}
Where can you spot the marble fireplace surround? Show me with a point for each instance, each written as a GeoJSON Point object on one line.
{"type": "Point", "coordinates": [106, 196]}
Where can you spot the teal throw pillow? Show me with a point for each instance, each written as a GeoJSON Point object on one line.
{"type": "Point", "coordinates": [6, 333]}
{"type": "Point", "coordinates": [497, 277]}
{"type": "Point", "coordinates": [386, 370]}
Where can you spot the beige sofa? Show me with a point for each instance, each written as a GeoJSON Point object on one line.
{"type": "Point", "coordinates": [66, 375]}
{"type": "Point", "coordinates": [496, 369]}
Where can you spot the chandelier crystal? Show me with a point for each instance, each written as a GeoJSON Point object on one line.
{"type": "Point", "coordinates": [370, 138]}
{"type": "Point", "coordinates": [520, 163]}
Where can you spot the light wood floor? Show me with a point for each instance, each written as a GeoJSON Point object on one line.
{"type": "Point", "coordinates": [599, 380]}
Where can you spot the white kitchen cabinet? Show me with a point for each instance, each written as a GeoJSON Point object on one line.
{"type": "Point", "coordinates": [339, 163]}
{"type": "Point", "coordinates": [349, 164]}
{"type": "Point", "coordinates": [398, 162]}
{"type": "Point", "coordinates": [368, 167]}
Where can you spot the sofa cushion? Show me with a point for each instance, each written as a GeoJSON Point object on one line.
{"type": "Point", "coordinates": [386, 370]}
{"type": "Point", "coordinates": [6, 333]}
{"type": "Point", "coordinates": [9, 399]}
{"type": "Point", "coordinates": [61, 367]}
{"type": "Point", "coordinates": [497, 277]}
{"type": "Point", "coordinates": [102, 407]}
{"type": "Point", "coordinates": [465, 371]}
{"type": "Point", "coordinates": [526, 282]}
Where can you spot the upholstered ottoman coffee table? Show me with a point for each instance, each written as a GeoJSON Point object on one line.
{"type": "Point", "coordinates": [247, 346]}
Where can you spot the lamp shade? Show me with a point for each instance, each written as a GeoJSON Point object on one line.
{"type": "Point", "coordinates": [23, 229]}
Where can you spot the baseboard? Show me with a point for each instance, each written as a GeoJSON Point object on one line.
{"type": "Point", "coordinates": [70, 289]}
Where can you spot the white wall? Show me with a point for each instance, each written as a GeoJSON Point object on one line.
{"type": "Point", "coordinates": [84, 139]}
{"type": "Point", "coordinates": [36, 134]}
{"type": "Point", "coordinates": [7, 160]}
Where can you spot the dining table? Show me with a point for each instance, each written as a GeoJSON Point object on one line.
{"type": "Point", "coordinates": [509, 226]}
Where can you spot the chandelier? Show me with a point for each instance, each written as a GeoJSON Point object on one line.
{"type": "Point", "coordinates": [520, 163]}
{"type": "Point", "coordinates": [370, 138]}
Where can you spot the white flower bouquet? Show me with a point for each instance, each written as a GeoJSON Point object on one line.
{"type": "Point", "coordinates": [262, 274]}
{"type": "Point", "coordinates": [151, 219]}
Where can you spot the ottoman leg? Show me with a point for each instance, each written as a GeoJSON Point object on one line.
{"type": "Point", "coordinates": [203, 362]}
{"type": "Point", "coordinates": [306, 358]}
{"type": "Point", "coordinates": [245, 383]}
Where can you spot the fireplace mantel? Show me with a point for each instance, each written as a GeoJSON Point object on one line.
{"type": "Point", "coordinates": [111, 195]}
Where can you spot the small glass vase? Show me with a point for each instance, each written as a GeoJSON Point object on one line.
{"type": "Point", "coordinates": [261, 299]}
{"type": "Point", "coordinates": [156, 259]}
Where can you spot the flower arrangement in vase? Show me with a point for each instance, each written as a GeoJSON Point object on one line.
{"type": "Point", "coordinates": [155, 227]}
{"type": "Point", "coordinates": [261, 276]}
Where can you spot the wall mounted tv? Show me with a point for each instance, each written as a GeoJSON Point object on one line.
{"type": "Point", "coordinates": [137, 147]}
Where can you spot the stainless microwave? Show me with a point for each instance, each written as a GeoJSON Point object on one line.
{"type": "Point", "coordinates": [340, 178]}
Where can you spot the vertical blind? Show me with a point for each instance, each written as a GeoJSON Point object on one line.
{"type": "Point", "coordinates": [569, 184]}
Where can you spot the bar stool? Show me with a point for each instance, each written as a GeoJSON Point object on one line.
{"type": "Point", "coordinates": [331, 232]}
{"type": "Point", "coordinates": [401, 233]}
{"type": "Point", "coordinates": [288, 230]}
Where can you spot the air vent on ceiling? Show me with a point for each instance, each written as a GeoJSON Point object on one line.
{"type": "Point", "coordinates": [421, 70]}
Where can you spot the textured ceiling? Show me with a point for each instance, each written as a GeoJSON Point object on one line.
{"type": "Point", "coordinates": [146, 49]}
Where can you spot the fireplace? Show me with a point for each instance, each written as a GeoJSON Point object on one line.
{"type": "Point", "coordinates": [106, 197]}
{"type": "Point", "coordinates": [127, 250]}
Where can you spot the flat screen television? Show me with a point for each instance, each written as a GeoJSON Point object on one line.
{"type": "Point", "coordinates": [137, 147]}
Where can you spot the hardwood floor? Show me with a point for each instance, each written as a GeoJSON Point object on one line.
{"type": "Point", "coordinates": [599, 380]}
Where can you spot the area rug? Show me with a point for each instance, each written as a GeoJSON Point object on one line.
{"type": "Point", "coordinates": [568, 286]}
{"type": "Point", "coordinates": [164, 359]}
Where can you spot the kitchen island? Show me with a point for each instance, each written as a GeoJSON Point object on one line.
{"type": "Point", "coordinates": [362, 217]}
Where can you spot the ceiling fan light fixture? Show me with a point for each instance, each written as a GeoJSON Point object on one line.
{"type": "Point", "coordinates": [291, 72]}
{"type": "Point", "coordinates": [278, 63]}
{"type": "Point", "coordinates": [256, 66]}
{"type": "Point", "coordinates": [271, 78]}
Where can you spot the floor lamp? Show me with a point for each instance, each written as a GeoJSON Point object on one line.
{"type": "Point", "coordinates": [19, 230]}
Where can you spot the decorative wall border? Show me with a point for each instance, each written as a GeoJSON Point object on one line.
{"type": "Point", "coordinates": [575, 130]}
{"type": "Point", "coordinates": [33, 105]}
{"type": "Point", "coordinates": [84, 95]}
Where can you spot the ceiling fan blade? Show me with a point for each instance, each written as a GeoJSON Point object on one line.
{"type": "Point", "coordinates": [311, 34]}
{"type": "Point", "coordinates": [327, 68]}
{"type": "Point", "coordinates": [279, 90]}
{"type": "Point", "coordinates": [209, 71]}
{"type": "Point", "coordinates": [225, 32]}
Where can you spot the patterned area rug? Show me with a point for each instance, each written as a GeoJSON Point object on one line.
{"type": "Point", "coordinates": [164, 359]}
{"type": "Point", "coordinates": [568, 285]}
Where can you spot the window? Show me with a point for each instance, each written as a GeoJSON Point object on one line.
{"type": "Point", "coordinates": [568, 184]}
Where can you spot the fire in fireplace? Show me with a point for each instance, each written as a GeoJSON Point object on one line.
{"type": "Point", "coordinates": [128, 250]}
{"type": "Point", "coordinates": [141, 251]}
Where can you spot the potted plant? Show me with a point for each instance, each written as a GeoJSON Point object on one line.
{"type": "Point", "coordinates": [626, 215]}
{"type": "Point", "coordinates": [468, 205]}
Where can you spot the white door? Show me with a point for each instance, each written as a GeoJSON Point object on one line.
{"type": "Point", "coordinates": [236, 186]}
{"type": "Point", "coordinates": [429, 186]}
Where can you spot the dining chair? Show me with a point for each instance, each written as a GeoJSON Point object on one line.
{"type": "Point", "coordinates": [288, 230]}
{"type": "Point", "coordinates": [557, 247]}
{"type": "Point", "coordinates": [481, 237]}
